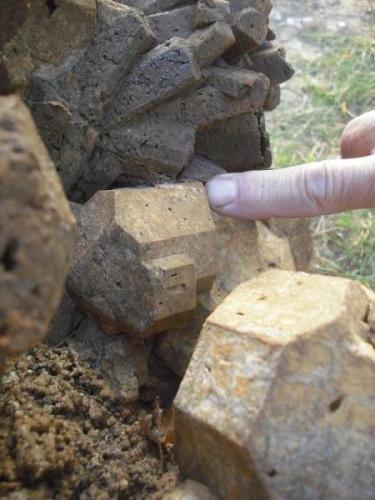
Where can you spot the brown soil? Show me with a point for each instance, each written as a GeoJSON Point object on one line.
{"type": "Point", "coordinates": [64, 434]}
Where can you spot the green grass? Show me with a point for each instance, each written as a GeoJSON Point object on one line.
{"type": "Point", "coordinates": [329, 90]}
{"type": "Point", "coordinates": [345, 245]}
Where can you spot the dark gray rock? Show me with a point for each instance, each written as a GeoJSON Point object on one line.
{"type": "Point", "coordinates": [123, 98]}
{"type": "Point", "coordinates": [237, 144]}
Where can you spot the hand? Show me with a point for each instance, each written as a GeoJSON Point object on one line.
{"type": "Point", "coordinates": [305, 190]}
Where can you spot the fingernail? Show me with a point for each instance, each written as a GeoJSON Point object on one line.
{"type": "Point", "coordinates": [221, 192]}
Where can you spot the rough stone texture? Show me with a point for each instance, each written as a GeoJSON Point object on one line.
{"type": "Point", "coordinates": [249, 21]}
{"type": "Point", "coordinates": [75, 95]}
{"type": "Point", "coordinates": [142, 256]}
{"type": "Point", "coordinates": [66, 321]}
{"type": "Point", "coordinates": [144, 152]}
{"type": "Point", "coordinates": [36, 231]}
{"type": "Point", "coordinates": [207, 44]}
{"type": "Point", "coordinates": [173, 64]}
{"type": "Point", "coordinates": [121, 361]}
{"type": "Point", "coordinates": [156, 144]}
{"type": "Point", "coordinates": [300, 240]}
{"type": "Point", "coordinates": [245, 250]}
{"type": "Point", "coordinates": [250, 28]}
{"type": "Point", "coordinates": [190, 490]}
{"type": "Point", "coordinates": [263, 6]}
{"type": "Point", "coordinates": [209, 106]}
{"type": "Point", "coordinates": [149, 7]}
{"type": "Point", "coordinates": [29, 31]}
{"type": "Point", "coordinates": [256, 248]}
{"type": "Point", "coordinates": [273, 98]}
{"type": "Point", "coordinates": [162, 384]}
{"type": "Point", "coordinates": [271, 62]}
{"type": "Point", "coordinates": [234, 82]}
{"type": "Point", "coordinates": [177, 22]}
{"type": "Point", "coordinates": [284, 404]}
{"type": "Point", "coordinates": [199, 169]}
{"type": "Point", "coordinates": [121, 34]}
{"type": "Point", "coordinates": [176, 347]}
{"type": "Point", "coordinates": [210, 11]}
{"type": "Point", "coordinates": [123, 98]}
{"type": "Point", "coordinates": [237, 144]}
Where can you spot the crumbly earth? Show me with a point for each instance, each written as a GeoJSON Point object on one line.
{"type": "Point", "coordinates": [64, 435]}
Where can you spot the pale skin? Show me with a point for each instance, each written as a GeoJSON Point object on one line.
{"type": "Point", "coordinates": [308, 190]}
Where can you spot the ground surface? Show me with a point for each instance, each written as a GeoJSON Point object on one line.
{"type": "Point", "coordinates": [65, 435]}
{"type": "Point", "coordinates": [331, 45]}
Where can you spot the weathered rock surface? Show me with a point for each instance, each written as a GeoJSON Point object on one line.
{"type": "Point", "coordinates": [161, 146]}
{"type": "Point", "coordinates": [199, 170]}
{"type": "Point", "coordinates": [142, 256]}
{"type": "Point", "coordinates": [29, 31]}
{"type": "Point", "coordinates": [176, 22]}
{"type": "Point", "coordinates": [162, 383]}
{"type": "Point", "coordinates": [249, 21]}
{"type": "Point", "coordinates": [173, 64]}
{"type": "Point", "coordinates": [121, 361]}
{"type": "Point", "coordinates": [208, 44]}
{"type": "Point", "coordinates": [74, 95]}
{"type": "Point", "coordinates": [250, 28]}
{"type": "Point", "coordinates": [66, 321]}
{"type": "Point", "coordinates": [190, 490]}
{"type": "Point", "coordinates": [298, 233]}
{"type": "Point", "coordinates": [210, 11]}
{"type": "Point", "coordinates": [235, 82]}
{"type": "Point", "coordinates": [122, 36]}
{"type": "Point", "coordinates": [143, 152]}
{"type": "Point", "coordinates": [124, 97]}
{"type": "Point", "coordinates": [273, 98]}
{"type": "Point", "coordinates": [149, 7]}
{"type": "Point", "coordinates": [257, 248]}
{"type": "Point", "coordinates": [36, 231]}
{"type": "Point", "coordinates": [176, 347]}
{"type": "Point", "coordinates": [271, 62]}
{"type": "Point", "coordinates": [209, 106]}
{"type": "Point", "coordinates": [263, 6]}
{"type": "Point", "coordinates": [245, 249]}
{"type": "Point", "coordinates": [284, 404]}
{"type": "Point", "coordinates": [243, 134]}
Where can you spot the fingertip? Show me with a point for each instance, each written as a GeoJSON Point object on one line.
{"type": "Point", "coordinates": [358, 137]}
{"type": "Point", "coordinates": [222, 191]}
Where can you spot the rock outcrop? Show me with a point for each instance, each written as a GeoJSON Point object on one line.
{"type": "Point", "coordinates": [136, 89]}
{"type": "Point", "coordinates": [245, 250]}
{"type": "Point", "coordinates": [36, 231]}
{"type": "Point", "coordinates": [284, 404]}
{"type": "Point", "coordinates": [121, 361]}
{"type": "Point", "coordinates": [139, 93]}
{"type": "Point", "coordinates": [142, 256]}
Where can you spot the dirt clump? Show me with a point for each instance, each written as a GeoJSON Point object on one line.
{"type": "Point", "coordinates": [65, 435]}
